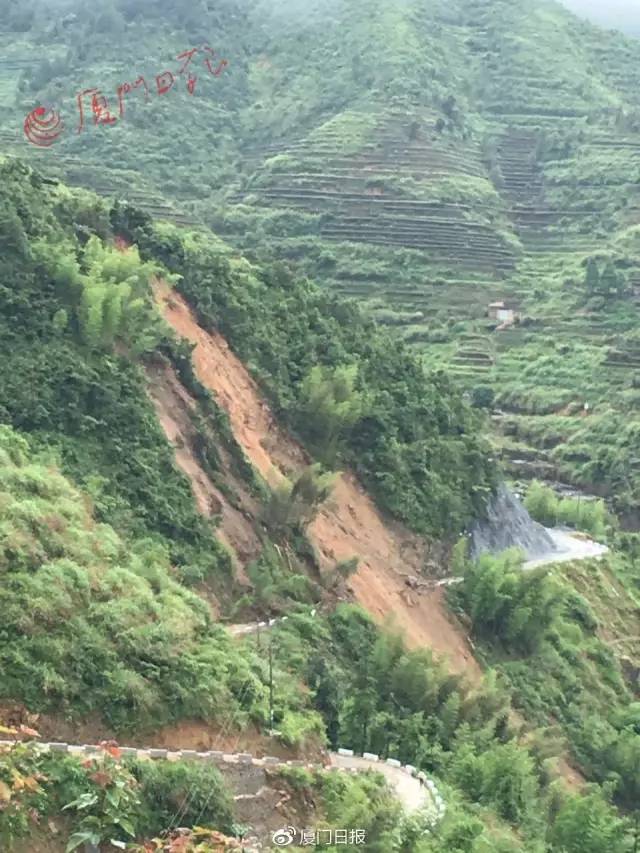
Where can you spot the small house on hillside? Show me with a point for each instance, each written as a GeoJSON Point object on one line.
{"type": "Point", "coordinates": [505, 313]}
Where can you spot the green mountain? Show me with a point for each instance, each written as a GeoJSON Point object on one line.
{"type": "Point", "coordinates": [339, 205]}
{"type": "Point", "coordinates": [108, 573]}
{"type": "Point", "coordinates": [427, 159]}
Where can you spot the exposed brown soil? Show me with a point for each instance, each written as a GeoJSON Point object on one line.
{"type": "Point", "coordinates": [174, 407]}
{"type": "Point", "coordinates": [349, 524]}
{"type": "Point", "coordinates": [572, 777]}
{"type": "Point", "coordinates": [268, 447]}
{"type": "Point", "coordinates": [197, 735]}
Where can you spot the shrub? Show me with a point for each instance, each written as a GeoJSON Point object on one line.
{"type": "Point", "coordinates": [542, 504]}
{"type": "Point", "coordinates": [482, 396]}
{"type": "Point", "coordinates": [195, 792]}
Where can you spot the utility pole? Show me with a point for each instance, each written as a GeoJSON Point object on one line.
{"type": "Point", "coordinates": [270, 682]}
{"type": "Point", "coordinates": [579, 509]}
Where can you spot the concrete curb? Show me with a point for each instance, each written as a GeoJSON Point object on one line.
{"type": "Point", "coordinates": [246, 759]}
{"type": "Point", "coordinates": [255, 627]}
{"type": "Point", "coordinates": [437, 801]}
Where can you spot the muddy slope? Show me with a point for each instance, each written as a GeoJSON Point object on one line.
{"type": "Point", "coordinates": [175, 407]}
{"type": "Point", "coordinates": [349, 524]}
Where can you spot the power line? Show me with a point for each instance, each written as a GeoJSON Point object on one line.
{"type": "Point", "coordinates": [207, 801]}
{"type": "Point", "coordinates": [271, 683]}
{"type": "Point", "coordinates": [186, 803]}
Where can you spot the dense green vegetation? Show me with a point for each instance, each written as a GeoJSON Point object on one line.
{"type": "Point", "coordinates": [426, 158]}
{"type": "Point", "coordinates": [543, 635]}
{"type": "Point", "coordinates": [97, 619]}
{"type": "Point", "coordinates": [377, 696]}
{"type": "Point", "coordinates": [137, 640]}
{"type": "Point", "coordinates": [80, 404]}
{"type": "Point", "coordinates": [411, 436]}
{"type": "Point", "coordinates": [339, 380]}
{"type": "Point", "coordinates": [102, 798]}
{"type": "Point", "coordinates": [544, 506]}
{"type": "Point", "coordinates": [92, 623]}
{"type": "Point", "coordinates": [360, 801]}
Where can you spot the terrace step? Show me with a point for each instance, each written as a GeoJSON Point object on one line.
{"type": "Point", "coordinates": [459, 228]}
{"type": "Point", "coordinates": [423, 238]}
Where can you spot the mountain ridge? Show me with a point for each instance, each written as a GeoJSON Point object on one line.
{"type": "Point", "coordinates": [428, 160]}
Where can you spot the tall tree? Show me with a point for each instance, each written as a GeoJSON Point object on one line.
{"type": "Point", "coordinates": [331, 406]}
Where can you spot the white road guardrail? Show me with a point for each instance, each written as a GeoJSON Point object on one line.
{"type": "Point", "coordinates": [343, 756]}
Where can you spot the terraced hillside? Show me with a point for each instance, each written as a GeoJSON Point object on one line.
{"type": "Point", "coordinates": [425, 158]}
{"type": "Point", "coordinates": [390, 219]}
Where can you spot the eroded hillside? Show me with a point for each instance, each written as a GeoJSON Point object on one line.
{"type": "Point", "coordinates": [427, 159]}
{"type": "Point", "coordinates": [347, 526]}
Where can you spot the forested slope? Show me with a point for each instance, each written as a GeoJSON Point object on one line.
{"type": "Point", "coordinates": [100, 625]}
{"type": "Point", "coordinates": [425, 158]}
{"type": "Point", "coordinates": [103, 628]}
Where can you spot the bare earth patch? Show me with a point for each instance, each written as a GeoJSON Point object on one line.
{"type": "Point", "coordinates": [349, 524]}
{"type": "Point", "coordinates": [174, 407]}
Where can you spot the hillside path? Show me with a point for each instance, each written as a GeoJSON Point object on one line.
{"type": "Point", "coordinates": [348, 524]}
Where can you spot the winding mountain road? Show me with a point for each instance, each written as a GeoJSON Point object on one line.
{"type": "Point", "coordinates": [412, 788]}
{"type": "Point", "coordinates": [570, 547]}
{"type": "Point", "coordinates": [413, 795]}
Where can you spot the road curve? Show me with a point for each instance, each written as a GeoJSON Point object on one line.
{"type": "Point", "coordinates": [414, 791]}
{"type": "Point", "coordinates": [570, 547]}
{"type": "Point", "coordinates": [413, 795]}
